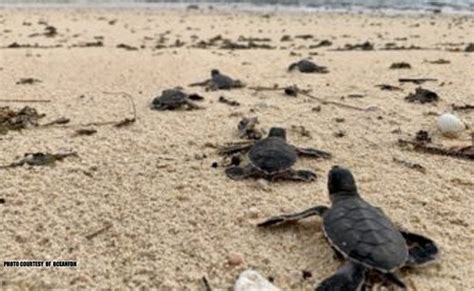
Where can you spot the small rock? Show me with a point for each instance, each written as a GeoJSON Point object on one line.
{"type": "Point", "coordinates": [251, 280]}
{"type": "Point", "coordinates": [316, 109]}
{"type": "Point", "coordinates": [307, 274]}
{"type": "Point", "coordinates": [253, 212]}
{"type": "Point", "coordinates": [340, 133]}
{"type": "Point", "coordinates": [263, 184]}
{"type": "Point", "coordinates": [235, 259]}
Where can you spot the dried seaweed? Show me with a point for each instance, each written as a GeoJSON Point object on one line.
{"type": "Point", "coordinates": [28, 81]}
{"type": "Point", "coordinates": [417, 81]}
{"type": "Point", "coordinates": [85, 131]}
{"type": "Point", "coordinates": [24, 101]}
{"type": "Point", "coordinates": [466, 153]}
{"type": "Point", "coordinates": [465, 107]}
{"type": "Point", "coordinates": [422, 96]}
{"type": "Point", "coordinates": [127, 47]}
{"type": "Point", "coordinates": [247, 128]}
{"type": "Point", "coordinates": [61, 120]}
{"type": "Point", "coordinates": [39, 159]}
{"type": "Point", "coordinates": [229, 102]}
{"type": "Point", "coordinates": [103, 229]}
{"type": "Point", "coordinates": [17, 120]}
{"type": "Point", "coordinates": [400, 65]}
{"type": "Point", "coordinates": [411, 165]}
{"type": "Point", "coordinates": [388, 87]}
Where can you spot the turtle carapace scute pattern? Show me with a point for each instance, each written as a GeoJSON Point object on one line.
{"type": "Point", "coordinates": [363, 235]}
{"type": "Point", "coordinates": [272, 158]}
{"type": "Point", "coordinates": [172, 99]}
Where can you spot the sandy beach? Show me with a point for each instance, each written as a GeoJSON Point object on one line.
{"type": "Point", "coordinates": [168, 217]}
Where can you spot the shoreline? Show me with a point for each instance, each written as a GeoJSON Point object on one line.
{"type": "Point", "coordinates": [148, 205]}
{"type": "Point", "coordinates": [244, 7]}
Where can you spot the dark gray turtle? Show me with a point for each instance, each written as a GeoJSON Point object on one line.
{"type": "Point", "coordinates": [174, 98]}
{"type": "Point", "coordinates": [363, 235]}
{"type": "Point", "coordinates": [219, 81]}
{"type": "Point", "coordinates": [306, 66]}
{"type": "Point", "coordinates": [272, 158]}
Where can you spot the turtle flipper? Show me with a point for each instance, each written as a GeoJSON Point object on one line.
{"type": "Point", "coordinates": [421, 250]}
{"type": "Point", "coordinates": [298, 175]}
{"type": "Point", "coordinates": [279, 219]}
{"type": "Point", "coordinates": [350, 277]}
{"type": "Point", "coordinates": [201, 84]}
{"type": "Point", "coordinates": [313, 153]}
{"type": "Point", "coordinates": [240, 173]}
{"type": "Point", "coordinates": [236, 147]}
{"type": "Point", "coordinates": [191, 105]}
{"type": "Point", "coordinates": [292, 67]}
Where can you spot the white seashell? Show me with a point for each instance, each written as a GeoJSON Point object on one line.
{"type": "Point", "coordinates": [251, 280]}
{"type": "Point", "coordinates": [450, 125]}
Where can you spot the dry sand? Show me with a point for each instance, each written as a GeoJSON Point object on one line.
{"type": "Point", "coordinates": [175, 218]}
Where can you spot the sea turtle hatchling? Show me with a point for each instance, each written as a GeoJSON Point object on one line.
{"type": "Point", "coordinates": [272, 158]}
{"type": "Point", "coordinates": [171, 99]}
{"type": "Point", "coordinates": [219, 81]}
{"type": "Point", "coordinates": [363, 235]}
{"type": "Point", "coordinates": [307, 66]}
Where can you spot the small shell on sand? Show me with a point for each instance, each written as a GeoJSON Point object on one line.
{"type": "Point", "coordinates": [251, 280]}
{"type": "Point", "coordinates": [450, 125]}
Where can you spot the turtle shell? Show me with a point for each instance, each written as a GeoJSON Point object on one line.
{"type": "Point", "coordinates": [170, 97]}
{"type": "Point", "coordinates": [222, 81]}
{"type": "Point", "coordinates": [272, 155]}
{"type": "Point", "coordinates": [306, 66]}
{"type": "Point", "coordinates": [363, 234]}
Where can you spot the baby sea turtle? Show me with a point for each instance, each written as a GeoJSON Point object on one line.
{"type": "Point", "coordinates": [363, 235]}
{"type": "Point", "coordinates": [219, 81]}
{"type": "Point", "coordinates": [273, 157]}
{"type": "Point", "coordinates": [306, 66]}
{"type": "Point", "coordinates": [174, 98]}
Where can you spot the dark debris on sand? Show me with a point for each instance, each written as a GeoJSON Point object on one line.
{"type": "Point", "coordinates": [365, 46]}
{"type": "Point", "coordinates": [17, 120]}
{"type": "Point", "coordinates": [469, 48]}
{"type": "Point", "coordinates": [247, 128]}
{"type": "Point", "coordinates": [400, 65]}
{"type": "Point", "coordinates": [422, 96]}
{"type": "Point", "coordinates": [28, 81]}
{"type": "Point", "coordinates": [39, 159]}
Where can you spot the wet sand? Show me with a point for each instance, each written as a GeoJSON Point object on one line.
{"type": "Point", "coordinates": [173, 218]}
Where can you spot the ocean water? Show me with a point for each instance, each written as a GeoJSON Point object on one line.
{"type": "Point", "coordinates": [404, 5]}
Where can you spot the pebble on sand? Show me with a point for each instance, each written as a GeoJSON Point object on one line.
{"type": "Point", "coordinates": [251, 280]}
{"type": "Point", "coordinates": [235, 259]}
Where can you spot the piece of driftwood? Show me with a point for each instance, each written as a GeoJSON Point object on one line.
{"type": "Point", "coordinates": [466, 153]}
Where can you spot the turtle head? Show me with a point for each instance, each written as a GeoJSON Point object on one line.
{"type": "Point", "coordinates": [215, 72]}
{"type": "Point", "coordinates": [341, 182]}
{"type": "Point", "coordinates": [277, 132]}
